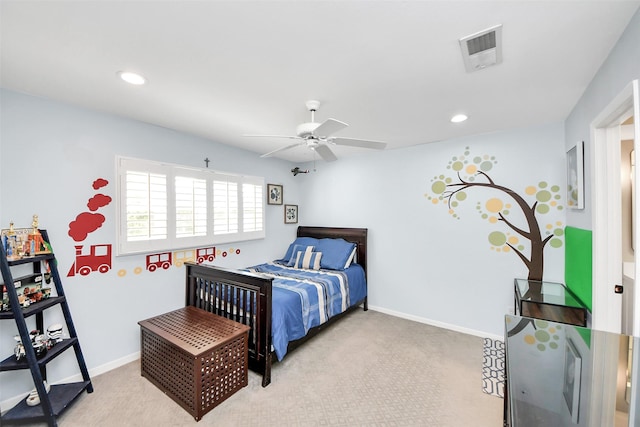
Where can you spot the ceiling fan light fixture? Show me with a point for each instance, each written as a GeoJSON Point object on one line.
{"type": "Point", "coordinates": [318, 136]}
{"type": "Point", "coordinates": [459, 118]}
{"type": "Point", "coordinates": [312, 105]}
{"type": "Point", "coordinates": [132, 78]}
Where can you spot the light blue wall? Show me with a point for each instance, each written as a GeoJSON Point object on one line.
{"type": "Point", "coordinates": [423, 263]}
{"type": "Point", "coordinates": [51, 153]}
{"type": "Point", "coordinates": [618, 70]}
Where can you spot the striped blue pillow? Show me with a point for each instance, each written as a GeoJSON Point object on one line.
{"type": "Point", "coordinates": [294, 254]}
{"type": "Point", "coordinates": [308, 259]}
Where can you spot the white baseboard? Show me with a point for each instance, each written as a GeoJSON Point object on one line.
{"type": "Point", "coordinates": [109, 366]}
{"type": "Point", "coordinates": [443, 325]}
{"type": "Point", "coordinates": [13, 401]}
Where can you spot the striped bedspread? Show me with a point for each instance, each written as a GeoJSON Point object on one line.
{"type": "Point", "coordinates": [303, 299]}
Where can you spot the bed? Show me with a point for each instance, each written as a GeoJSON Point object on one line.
{"type": "Point", "coordinates": [262, 296]}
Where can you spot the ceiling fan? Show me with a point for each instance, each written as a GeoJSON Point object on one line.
{"type": "Point", "coordinates": [317, 136]}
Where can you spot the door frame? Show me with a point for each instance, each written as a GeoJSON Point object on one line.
{"type": "Point", "coordinates": [606, 210]}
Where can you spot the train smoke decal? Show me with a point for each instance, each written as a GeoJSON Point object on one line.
{"type": "Point", "coordinates": [95, 257]}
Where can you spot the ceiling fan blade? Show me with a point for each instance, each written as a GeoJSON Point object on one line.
{"type": "Point", "coordinates": [272, 136]}
{"type": "Point", "coordinates": [363, 143]}
{"type": "Point", "coordinates": [329, 127]}
{"type": "Point", "coordinates": [270, 153]}
{"type": "Point", "coordinates": [326, 153]}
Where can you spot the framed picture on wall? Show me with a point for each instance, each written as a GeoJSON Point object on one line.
{"type": "Point", "coordinates": [274, 194]}
{"type": "Point", "coordinates": [290, 214]}
{"type": "Point", "coordinates": [575, 176]}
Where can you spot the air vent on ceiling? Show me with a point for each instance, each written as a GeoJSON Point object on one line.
{"type": "Point", "coordinates": [482, 49]}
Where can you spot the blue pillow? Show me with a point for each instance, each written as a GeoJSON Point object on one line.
{"type": "Point", "coordinates": [303, 241]}
{"type": "Point", "coordinates": [336, 253]}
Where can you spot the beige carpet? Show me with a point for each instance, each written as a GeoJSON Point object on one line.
{"type": "Point", "coordinates": [369, 369]}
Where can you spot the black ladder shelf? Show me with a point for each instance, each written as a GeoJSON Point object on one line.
{"type": "Point", "coordinates": [52, 404]}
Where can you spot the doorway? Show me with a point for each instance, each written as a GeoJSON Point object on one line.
{"type": "Point", "coordinates": [606, 137]}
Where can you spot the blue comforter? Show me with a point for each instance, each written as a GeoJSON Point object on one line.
{"type": "Point", "coordinates": [303, 299]}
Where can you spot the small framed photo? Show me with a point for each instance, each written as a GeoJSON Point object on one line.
{"type": "Point", "coordinates": [274, 194]}
{"type": "Point", "coordinates": [575, 176]}
{"type": "Point", "coordinates": [290, 214]}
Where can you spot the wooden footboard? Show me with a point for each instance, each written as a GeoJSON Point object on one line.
{"type": "Point", "coordinates": [240, 296]}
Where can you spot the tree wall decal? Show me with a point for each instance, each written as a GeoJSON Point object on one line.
{"type": "Point", "coordinates": [527, 240]}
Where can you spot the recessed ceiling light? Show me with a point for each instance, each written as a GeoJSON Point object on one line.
{"type": "Point", "coordinates": [133, 78]}
{"type": "Point", "coordinates": [458, 118]}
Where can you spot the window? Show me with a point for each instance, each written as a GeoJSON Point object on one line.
{"type": "Point", "coordinates": [225, 207]}
{"type": "Point", "coordinates": [146, 200]}
{"type": "Point", "coordinates": [166, 207]}
{"type": "Point", "coordinates": [252, 212]}
{"type": "Point", "coordinates": [191, 206]}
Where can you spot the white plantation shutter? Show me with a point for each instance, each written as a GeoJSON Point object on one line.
{"type": "Point", "coordinates": [225, 207]}
{"type": "Point", "coordinates": [191, 207]}
{"type": "Point", "coordinates": [146, 206]}
{"type": "Point", "coordinates": [252, 207]}
{"type": "Point", "coordinates": [165, 207]}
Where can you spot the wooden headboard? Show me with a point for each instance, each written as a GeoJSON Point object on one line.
{"type": "Point", "coordinates": [355, 235]}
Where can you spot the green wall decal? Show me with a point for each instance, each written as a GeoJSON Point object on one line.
{"type": "Point", "coordinates": [472, 173]}
{"type": "Point", "coordinates": [578, 264]}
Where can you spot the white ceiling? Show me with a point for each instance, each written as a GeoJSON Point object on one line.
{"type": "Point", "coordinates": [391, 69]}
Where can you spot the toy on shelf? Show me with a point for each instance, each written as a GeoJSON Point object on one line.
{"type": "Point", "coordinates": [54, 333]}
{"type": "Point", "coordinates": [41, 344]}
{"type": "Point", "coordinates": [33, 399]}
{"type": "Point", "coordinates": [37, 245]}
{"type": "Point", "coordinates": [24, 242]}
{"type": "Point", "coordinates": [29, 289]}
{"type": "Point", "coordinates": [19, 351]}
{"type": "Point", "coordinates": [10, 242]}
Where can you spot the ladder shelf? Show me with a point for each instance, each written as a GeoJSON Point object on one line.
{"type": "Point", "coordinates": [60, 396]}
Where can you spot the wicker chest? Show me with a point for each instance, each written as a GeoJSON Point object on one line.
{"type": "Point", "coordinates": [195, 357]}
